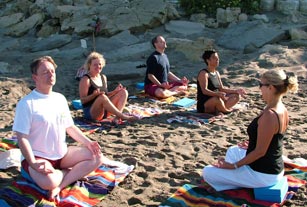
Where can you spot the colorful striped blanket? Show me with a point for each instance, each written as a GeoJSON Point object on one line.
{"type": "Point", "coordinates": [83, 193]}
{"type": "Point", "coordinates": [8, 143]}
{"type": "Point", "coordinates": [202, 195]}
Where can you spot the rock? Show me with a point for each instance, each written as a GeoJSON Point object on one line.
{"type": "Point", "coordinates": [10, 20]}
{"type": "Point", "coordinates": [23, 27]}
{"type": "Point", "coordinates": [244, 33]}
{"type": "Point", "coordinates": [261, 17]}
{"type": "Point", "coordinates": [4, 67]}
{"type": "Point", "coordinates": [52, 42]}
{"type": "Point", "coordinates": [128, 52]}
{"type": "Point", "coordinates": [228, 15]}
{"type": "Point", "coordinates": [267, 5]}
{"type": "Point", "coordinates": [184, 28]}
{"type": "Point", "coordinates": [185, 46]}
{"type": "Point", "coordinates": [287, 6]}
{"type": "Point", "coordinates": [297, 34]}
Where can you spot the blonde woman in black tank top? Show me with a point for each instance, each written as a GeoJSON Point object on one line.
{"type": "Point", "coordinates": [97, 101]}
{"type": "Point", "coordinates": [258, 162]}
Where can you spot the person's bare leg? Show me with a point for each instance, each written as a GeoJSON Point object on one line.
{"type": "Point", "coordinates": [79, 166]}
{"type": "Point", "coordinates": [164, 93]}
{"type": "Point", "coordinates": [119, 100]}
{"type": "Point", "coordinates": [216, 104]}
{"type": "Point", "coordinates": [47, 181]}
{"type": "Point", "coordinates": [55, 191]}
{"type": "Point", "coordinates": [179, 88]}
{"type": "Point", "coordinates": [232, 100]}
{"type": "Point", "coordinates": [103, 103]}
{"type": "Point", "coordinates": [222, 108]}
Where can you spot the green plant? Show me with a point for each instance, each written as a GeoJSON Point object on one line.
{"type": "Point", "coordinates": [210, 6]}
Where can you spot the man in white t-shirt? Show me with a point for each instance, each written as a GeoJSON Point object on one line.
{"type": "Point", "coordinates": [41, 122]}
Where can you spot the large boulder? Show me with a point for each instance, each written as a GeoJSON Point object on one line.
{"type": "Point", "coordinates": [249, 33]}
{"type": "Point", "coordinates": [25, 26]}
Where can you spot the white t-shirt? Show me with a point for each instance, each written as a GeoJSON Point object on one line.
{"type": "Point", "coordinates": [44, 118]}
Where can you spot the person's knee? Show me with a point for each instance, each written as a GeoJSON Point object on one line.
{"type": "Point", "coordinates": [237, 97]}
{"type": "Point", "coordinates": [205, 172]}
{"type": "Point", "coordinates": [97, 161]}
{"type": "Point", "coordinates": [50, 182]}
{"type": "Point", "coordinates": [218, 101]}
{"type": "Point", "coordinates": [160, 93]}
{"type": "Point", "coordinates": [123, 94]}
{"type": "Point", "coordinates": [102, 98]}
{"type": "Point", "coordinates": [208, 172]}
{"type": "Point", "coordinates": [102, 159]}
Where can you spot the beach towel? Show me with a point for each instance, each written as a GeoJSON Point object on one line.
{"type": "Point", "coordinates": [142, 112]}
{"type": "Point", "coordinates": [83, 193]}
{"type": "Point", "coordinates": [203, 195]}
{"type": "Point", "coordinates": [10, 158]}
{"type": "Point", "coordinates": [185, 102]}
{"type": "Point", "coordinates": [10, 155]}
{"type": "Point", "coordinates": [8, 143]}
{"type": "Point", "coordinates": [89, 127]}
{"type": "Point", "coordinates": [193, 118]}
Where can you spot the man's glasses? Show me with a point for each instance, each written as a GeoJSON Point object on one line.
{"type": "Point", "coordinates": [263, 84]}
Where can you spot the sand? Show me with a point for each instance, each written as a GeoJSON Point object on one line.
{"type": "Point", "coordinates": [169, 155]}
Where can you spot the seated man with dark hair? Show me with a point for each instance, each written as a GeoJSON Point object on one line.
{"type": "Point", "coordinates": [159, 80]}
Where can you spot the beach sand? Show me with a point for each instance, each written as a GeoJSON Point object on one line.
{"type": "Point", "coordinates": [166, 155]}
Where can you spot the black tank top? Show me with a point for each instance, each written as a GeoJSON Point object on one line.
{"type": "Point", "coordinates": [92, 88]}
{"type": "Point", "coordinates": [271, 162]}
{"type": "Point", "coordinates": [213, 85]}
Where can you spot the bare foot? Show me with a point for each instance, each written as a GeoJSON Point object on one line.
{"type": "Point", "coordinates": [53, 193]}
{"type": "Point", "coordinates": [84, 179]}
{"type": "Point", "coordinates": [130, 117]}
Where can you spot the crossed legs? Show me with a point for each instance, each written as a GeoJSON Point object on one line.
{"type": "Point", "coordinates": [165, 93]}
{"type": "Point", "coordinates": [73, 168]}
{"type": "Point", "coordinates": [216, 104]}
{"type": "Point", "coordinates": [113, 105]}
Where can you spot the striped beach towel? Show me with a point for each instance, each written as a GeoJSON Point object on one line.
{"type": "Point", "coordinates": [202, 195]}
{"type": "Point", "coordinates": [83, 193]}
{"type": "Point", "coordinates": [8, 143]}
{"type": "Point", "coordinates": [89, 127]}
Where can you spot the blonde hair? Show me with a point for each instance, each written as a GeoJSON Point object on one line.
{"type": "Point", "coordinates": [93, 56]}
{"type": "Point", "coordinates": [281, 81]}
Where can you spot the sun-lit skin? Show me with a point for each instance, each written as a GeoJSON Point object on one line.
{"type": "Point", "coordinates": [45, 77]}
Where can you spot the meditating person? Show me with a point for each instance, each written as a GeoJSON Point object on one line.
{"type": "Point", "coordinates": [41, 122]}
{"type": "Point", "coordinates": [258, 162]}
{"type": "Point", "coordinates": [97, 101]}
{"type": "Point", "coordinates": [212, 96]}
{"type": "Point", "coordinates": [159, 81]}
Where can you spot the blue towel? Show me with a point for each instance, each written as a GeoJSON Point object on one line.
{"type": "Point", "coordinates": [184, 102]}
